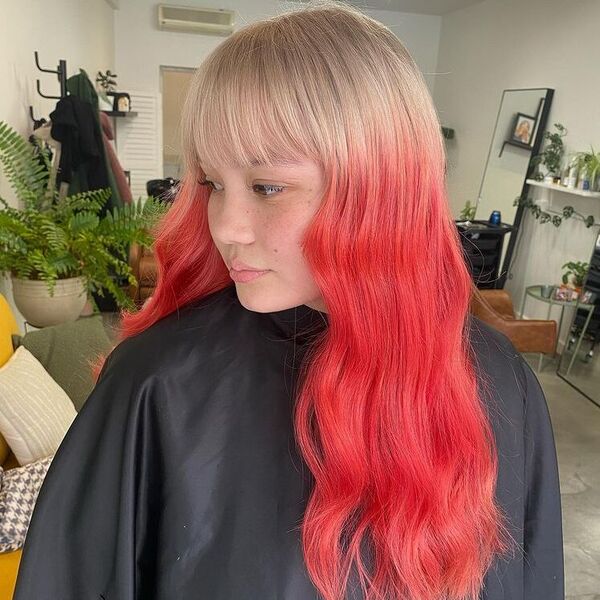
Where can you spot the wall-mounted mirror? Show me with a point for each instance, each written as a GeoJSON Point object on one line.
{"type": "Point", "coordinates": [579, 362]}
{"type": "Point", "coordinates": [516, 139]}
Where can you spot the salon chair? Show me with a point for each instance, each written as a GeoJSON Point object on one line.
{"type": "Point", "coordinates": [495, 308]}
{"type": "Point", "coordinates": [143, 265]}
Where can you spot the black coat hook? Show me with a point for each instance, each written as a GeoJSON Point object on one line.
{"type": "Point", "coordinates": [36, 122]}
{"type": "Point", "coordinates": [44, 95]}
{"type": "Point", "coordinates": [61, 73]}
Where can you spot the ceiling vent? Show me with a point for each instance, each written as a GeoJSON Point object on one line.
{"type": "Point", "coordinates": [212, 21]}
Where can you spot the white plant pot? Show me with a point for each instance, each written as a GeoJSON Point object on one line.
{"type": "Point", "coordinates": [34, 302]}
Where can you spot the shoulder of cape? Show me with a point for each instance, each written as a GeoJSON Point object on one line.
{"type": "Point", "coordinates": [198, 326]}
{"type": "Point", "coordinates": [497, 360]}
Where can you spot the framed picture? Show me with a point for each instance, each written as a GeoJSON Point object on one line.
{"type": "Point", "coordinates": [523, 129]}
{"type": "Point", "coordinates": [121, 102]}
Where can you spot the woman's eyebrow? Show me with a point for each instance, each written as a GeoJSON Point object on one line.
{"type": "Point", "coordinates": [259, 164]}
{"type": "Point", "coordinates": [276, 163]}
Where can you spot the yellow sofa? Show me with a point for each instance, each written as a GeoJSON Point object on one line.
{"type": "Point", "coordinates": [9, 561]}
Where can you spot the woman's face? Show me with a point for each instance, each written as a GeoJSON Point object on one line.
{"type": "Point", "coordinates": [258, 216]}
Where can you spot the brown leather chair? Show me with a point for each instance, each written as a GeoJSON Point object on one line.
{"type": "Point", "coordinates": [143, 265]}
{"type": "Point", "coordinates": [495, 307]}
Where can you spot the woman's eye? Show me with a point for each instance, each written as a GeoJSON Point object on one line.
{"type": "Point", "coordinates": [264, 189]}
{"type": "Point", "coordinates": [210, 184]}
{"type": "Point", "coordinates": [276, 188]}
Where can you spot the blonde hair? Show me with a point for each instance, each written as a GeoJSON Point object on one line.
{"type": "Point", "coordinates": [260, 98]}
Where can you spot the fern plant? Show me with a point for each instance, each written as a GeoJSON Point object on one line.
{"type": "Point", "coordinates": [52, 237]}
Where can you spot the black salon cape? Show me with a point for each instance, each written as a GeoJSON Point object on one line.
{"type": "Point", "coordinates": [180, 479]}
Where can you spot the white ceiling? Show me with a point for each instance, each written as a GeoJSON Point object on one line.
{"type": "Point", "coordinates": [424, 7]}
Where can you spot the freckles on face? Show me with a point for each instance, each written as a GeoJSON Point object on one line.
{"type": "Point", "coordinates": [260, 217]}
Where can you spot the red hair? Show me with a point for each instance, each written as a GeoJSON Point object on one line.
{"type": "Point", "coordinates": [388, 416]}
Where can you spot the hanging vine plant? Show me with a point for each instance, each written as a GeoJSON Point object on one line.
{"type": "Point", "coordinates": [556, 218]}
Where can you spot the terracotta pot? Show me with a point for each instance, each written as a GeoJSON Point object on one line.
{"type": "Point", "coordinates": [40, 309]}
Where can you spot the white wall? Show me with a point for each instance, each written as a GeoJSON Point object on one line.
{"type": "Point", "coordinates": [140, 47]}
{"type": "Point", "coordinates": [79, 31]}
{"type": "Point", "coordinates": [501, 44]}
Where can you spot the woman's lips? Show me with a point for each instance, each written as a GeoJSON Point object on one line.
{"type": "Point", "coordinates": [245, 276]}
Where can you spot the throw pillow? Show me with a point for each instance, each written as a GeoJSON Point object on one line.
{"type": "Point", "coordinates": [35, 412]}
{"type": "Point", "coordinates": [19, 489]}
{"type": "Point", "coordinates": [67, 352]}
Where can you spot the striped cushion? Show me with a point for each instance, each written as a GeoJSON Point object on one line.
{"type": "Point", "coordinates": [35, 412]}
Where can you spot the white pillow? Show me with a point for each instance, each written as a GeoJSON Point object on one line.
{"type": "Point", "coordinates": [35, 412]}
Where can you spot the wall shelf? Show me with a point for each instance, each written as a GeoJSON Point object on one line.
{"type": "Point", "coordinates": [120, 113]}
{"type": "Point", "coordinates": [561, 188]}
{"type": "Point", "coordinates": [516, 144]}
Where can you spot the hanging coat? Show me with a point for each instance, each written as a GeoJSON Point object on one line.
{"type": "Point", "coordinates": [81, 159]}
{"type": "Point", "coordinates": [180, 478]}
{"type": "Point", "coordinates": [84, 163]}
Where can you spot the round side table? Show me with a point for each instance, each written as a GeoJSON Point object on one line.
{"type": "Point", "coordinates": [535, 291]}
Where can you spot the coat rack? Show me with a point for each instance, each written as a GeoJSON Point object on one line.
{"type": "Point", "coordinates": [61, 73]}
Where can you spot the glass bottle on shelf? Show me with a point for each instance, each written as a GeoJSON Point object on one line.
{"type": "Point", "coordinates": [584, 178]}
{"type": "Point", "coordinates": [564, 174]}
{"type": "Point", "coordinates": [573, 171]}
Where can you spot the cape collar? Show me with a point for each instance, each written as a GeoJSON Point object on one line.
{"type": "Point", "coordinates": [299, 323]}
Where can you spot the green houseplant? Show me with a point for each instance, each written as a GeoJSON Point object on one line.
{"type": "Point", "coordinates": [575, 271]}
{"type": "Point", "coordinates": [552, 155]}
{"type": "Point", "coordinates": [51, 240]}
{"type": "Point", "coordinates": [468, 211]}
{"type": "Point", "coordinates": [588, 165]}
{"type": "Point", "coordinates": [106, 81]}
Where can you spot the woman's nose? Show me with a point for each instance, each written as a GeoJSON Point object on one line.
{"type": "Point", "coordinates": [231, 219]}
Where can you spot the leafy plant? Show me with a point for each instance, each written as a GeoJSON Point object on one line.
{"type": "Point", "coordinates": [590, 162]}
{"type": "Point", "coordinates": [552, 155]}
{"type": "Point", "coordinates": [468, 211]}
{"type": "Point", "coordinates": [56, 237]}
{"type": "Point", "coordinates": [575, 270]}
{"type": "Point", "coordinates": [106, 81]}
{"type": "Point", "coordinates": [557, 218]}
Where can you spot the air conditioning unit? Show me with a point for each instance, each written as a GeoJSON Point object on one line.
{"type": "Point", "coordinates": [212, 21]}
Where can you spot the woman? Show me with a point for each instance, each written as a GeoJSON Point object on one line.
{"type": "Point", "coordinates": [332, 423]}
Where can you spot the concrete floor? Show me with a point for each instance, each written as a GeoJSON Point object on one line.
{"type": "Point", "coordinates": [576, 425]}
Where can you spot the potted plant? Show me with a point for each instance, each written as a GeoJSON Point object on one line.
{"type": "Point", "coordinates": [588, 164]}
{"type": "Point", "coordinates": [575, 274]}
{"type": "Point", "coordinates": [59, 249]}
{"type": "Point", "coordinates": [105, 82]}
{"type": "Point", "coordinates": [552, 155]}
{"type": "Point", "coordinates": [585, 163]}
{"type": "Point", "coordinates": [468, 211]}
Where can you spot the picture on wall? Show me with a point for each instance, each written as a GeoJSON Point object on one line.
{"type": "Point", "coordinates": [523, 129]}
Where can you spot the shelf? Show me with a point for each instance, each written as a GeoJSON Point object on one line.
{"type": "Point", "coordinates": [561, 188]}
{"type": "Point", "coordinates": [120, 113]}
{"type": "Point", "coordinates": [480, 226]}
{"type": "Point", "coordinates": [516, 144]}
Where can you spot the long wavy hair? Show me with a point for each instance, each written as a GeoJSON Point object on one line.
{"type": "Point", "coordinates": [388, 417]}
